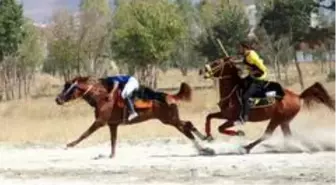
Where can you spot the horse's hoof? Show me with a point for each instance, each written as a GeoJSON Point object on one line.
{"type": "Point", "coordinates": [70, 145]}
{"type": "Point", "coordinates": [247, 149]}
{"type": "Point", "coordinates": [240, 133]}
{"type": "Point", "coordinates": [207, 151]}
{"type": "Point", "coordinates": [208, 138]}
{"type": "Point", "coordinates": [100, 156]}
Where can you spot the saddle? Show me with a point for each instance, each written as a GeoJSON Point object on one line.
{"type": "Point", "coordinates": [267, 95]}
{"type": "Point", "coordinates": [144, 98]}
{"type": "Point", "coordinates": [138, 103]}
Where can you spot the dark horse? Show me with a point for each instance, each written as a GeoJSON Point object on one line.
{"type": "Point", "coordinates": [112, 113]}
{"type": "Point", "coordinates": [280, 109]}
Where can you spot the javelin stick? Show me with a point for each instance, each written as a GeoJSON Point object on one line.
{"type": "Point", "coordinates": [226, 55]}
{"type": "Point", "coordinates": [225, 52]}
{"type": "Point", "coordinates": [222, 47]}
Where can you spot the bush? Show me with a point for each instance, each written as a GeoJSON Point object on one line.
{"type": "Point", "coordinates": [331, 76]}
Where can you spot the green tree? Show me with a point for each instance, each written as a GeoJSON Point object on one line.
{"type": "Point", "coordinates": [78, 44]}
{"type": "Point", "coordinates": [11, 33]}
{"type": "Point", "coordinates": [63, 50]}
{"type": "Point", "coordinates": [283, 17]}
{"type": "Point", "coordinates": [145, 33]}
{"type": "Point", "coordinates": [30, 57]}
{"type": "Point", "coordinates": [93, 35]}
{"type": "Point", "coordinates": [225, 20]}
{"type": "Point", "coordinates": [185, 56]}
{"type": "Point", "coordinates": [277, 53]}
{"type": "Point", "coordinates": [98, 6]}
{"type": "Point", "coordinates": [291, 18]}
{"type": "Point", "coordinates": [11, 21]}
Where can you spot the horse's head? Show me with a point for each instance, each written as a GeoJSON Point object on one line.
{"type": "Point", "coordinates": [73, 89]}
{"type": "Point", "coordinates": [220, 68]}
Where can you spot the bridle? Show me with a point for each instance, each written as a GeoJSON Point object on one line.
{"type": "Point", "coordinates": [75, 85]}
{"type": "Point", "coordinates": [209, 73]}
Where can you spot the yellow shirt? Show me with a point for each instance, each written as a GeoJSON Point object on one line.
{"type": "Point", "coordinates": [253, 61]}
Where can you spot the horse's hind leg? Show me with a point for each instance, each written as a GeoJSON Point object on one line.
{"type": "Point", "coordinates": [267, 134]}
{"type": "Point", "coordinates": [286, 129]}
{"type": "Point", "coordinates": [191, 127]}
{"type": "Point", "coordinates": [186, 128]}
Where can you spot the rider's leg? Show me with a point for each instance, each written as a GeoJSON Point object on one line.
{"type": "Point", "coordinates": [127, 93]}
{"type": "Point", "coordinates": [246, 104]}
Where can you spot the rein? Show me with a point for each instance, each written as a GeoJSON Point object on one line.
{"type": "Point", "coordinates": [72, 102]}
{"type": "Point", "coordinates": [221, 68]}
{"type": "Point", "coordinates": [229, 95]}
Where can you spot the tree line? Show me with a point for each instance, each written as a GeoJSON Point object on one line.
{"type": "Point", "coordinates": [142, 36]}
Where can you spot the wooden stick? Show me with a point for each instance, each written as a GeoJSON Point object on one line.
{"type": "Point", "coordinates": [222, 47]}
{"type": "Point", "coordinates": [225, 52]}
{"type": "Point", "coordinates": [216, 82]}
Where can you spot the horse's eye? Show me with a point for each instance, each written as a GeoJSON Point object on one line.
{"type": "Point", "coordinates": [67, 85]}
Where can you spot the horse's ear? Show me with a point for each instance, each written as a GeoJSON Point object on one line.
{"type": "Point", "coordinates": [85, 78]}
{"type": "Point", "coordinates": [227, 58]}
{"type": "Point", "coordinates": [102, 80]}
{"type": "Point", "coordinates": [76, 79]}
{"type": "Point", "coordinates": [92, 80]}
{"type": "Point", "coordinates": [82, 79]}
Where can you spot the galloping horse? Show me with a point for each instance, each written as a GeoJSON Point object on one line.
{"type": "Point", "coordinates": [280, 109]}
{"type": "Point", "coordinates": [113, 113]}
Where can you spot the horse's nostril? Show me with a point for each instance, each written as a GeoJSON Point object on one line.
{"type": "Point", "coordinates": [58, 101]}
{"type": "Point", "coordinates": [200, 72]}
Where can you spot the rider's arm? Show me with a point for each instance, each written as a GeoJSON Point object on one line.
{"type": "Point", "coordinates": [114, 89]}
{"type": "Point", "coordinates": [253, 58]}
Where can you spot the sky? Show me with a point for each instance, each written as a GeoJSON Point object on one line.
{"type": "Point", "coordinates": [41, 10]}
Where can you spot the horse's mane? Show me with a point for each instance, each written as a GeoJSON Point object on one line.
{"type": "Point", "coordinates": [90, 80]}
{"type": "Point", "coordinates": [85, 79]}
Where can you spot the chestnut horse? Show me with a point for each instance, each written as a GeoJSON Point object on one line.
{"type": "Point", "coordinates": [280, 110]}
{"type": "Point", "coordinates": [112, 113]}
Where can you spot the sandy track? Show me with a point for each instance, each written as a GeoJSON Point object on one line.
{"type": "Point", "coordinates": [162, 162]}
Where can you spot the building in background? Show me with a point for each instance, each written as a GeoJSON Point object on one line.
{"type": "Point", "coordinates": [324, 17]}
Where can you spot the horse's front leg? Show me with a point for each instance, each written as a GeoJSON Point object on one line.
{"type": "Point", "coordinates": [96, 125]}
{"type": "Point", "coordinates": [218, 115]}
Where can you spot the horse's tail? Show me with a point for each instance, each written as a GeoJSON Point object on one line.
{"type": "Point", "coordinates": [184, 94]}
{"type": "Point", "coordinates": [317, 93]}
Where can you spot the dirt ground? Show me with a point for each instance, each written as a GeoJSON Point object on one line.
{"type": "Point", "coordinates": [163, 162]}
{"type": "Point", "coordinates": [34, 132]}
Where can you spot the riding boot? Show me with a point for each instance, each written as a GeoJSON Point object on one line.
{"type": "Point", "coordinates": [133, 114]}
{"type": "Point", "coordinates": [243, 116]}
{"type": "Point", "coordinates": [246, 109]}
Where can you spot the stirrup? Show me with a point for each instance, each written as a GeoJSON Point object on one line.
{"type": "Point", "coordinates": [240, 121]}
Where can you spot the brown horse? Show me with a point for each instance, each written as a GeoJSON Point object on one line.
{"type": "Point", "coordinates": [113, 113]}
{"type": "Point", "coordinates": [280, 109]}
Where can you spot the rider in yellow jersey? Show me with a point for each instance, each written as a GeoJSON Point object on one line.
{"type": "Point", "coordinates": [254, 81]}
